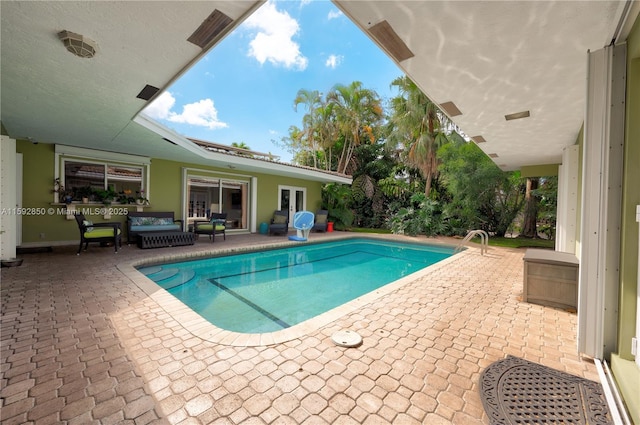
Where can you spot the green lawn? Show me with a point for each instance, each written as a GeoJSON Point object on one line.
{"type": "Point", "coordinates": [522, 243]}
{"type": "Point", "coordinates": [493, 241]}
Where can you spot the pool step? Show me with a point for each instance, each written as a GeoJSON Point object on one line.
{"type": "Point", "coordinates": [177, 279]}
{"type": "Point", "coordinates": [168, 278]}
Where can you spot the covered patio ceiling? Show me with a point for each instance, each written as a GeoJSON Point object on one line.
{"type": "Point", "coordinates": [488, 58]}
{"type": "Point", "coordinates": [495, 58]}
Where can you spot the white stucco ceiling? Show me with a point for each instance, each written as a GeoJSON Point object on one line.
{"type": "Point", "coordinates": [490, 58]}
{"type": "Point", "coordinates": [493, 58]}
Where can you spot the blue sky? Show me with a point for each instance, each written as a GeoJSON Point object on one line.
{"type": "Point", "coordinates": [243, 90]}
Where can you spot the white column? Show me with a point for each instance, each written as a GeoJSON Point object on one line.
{"type": "Point", "coordinates": [567, 214]}
{"type": "Point", "coordinates": [254, 204]}
{"type": "Point", "coordinates": [601, 203]}
{"type": "Point", "coordinates": [8, 198]}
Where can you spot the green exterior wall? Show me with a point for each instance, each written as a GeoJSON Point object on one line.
{"type": "Point", "coordinates": [539, 170]}
{"type": "Point", "coordinates": [625, 370]}
{"type": "Point", "coordinates": [630, 198]}
{"type": "Point", "coordinates": [165, 193]}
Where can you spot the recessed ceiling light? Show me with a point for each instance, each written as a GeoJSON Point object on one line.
{"type": "Point", "coordinates": [517, 115]}
{"type": "Point", "coordinates": [451, 109]}
{"type": "Point", "coordinates": [390, 41]}
{"type": "Point", "coordinates": [479, 139]}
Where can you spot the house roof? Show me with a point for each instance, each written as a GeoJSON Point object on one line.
{"type": "Point", "coordinates": [488, 58]}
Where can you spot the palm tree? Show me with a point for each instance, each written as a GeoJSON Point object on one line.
{"type": "Point", "coordinates": [357, 109]}
{"type": "Point", "coordinates": [312, 100]}
{"type": "Point", "coordinates": [417, 125]}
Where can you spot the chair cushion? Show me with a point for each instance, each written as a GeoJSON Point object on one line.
{"type": "Point", "coordinates": [321, 219]}
{"type": "Point", "coordinates": [208, 227]}
{"type": "Point", "coordinates": [100, 232]}
{"type": "Point", "coordinates": [279, 219]}
{"type": "Point", "coordinates": [154, 228]}
{"type": "Point", "coordinates": [88, 224]}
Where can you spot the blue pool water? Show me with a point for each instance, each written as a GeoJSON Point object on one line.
{"type": "Point", "coordinates": [271, 290]}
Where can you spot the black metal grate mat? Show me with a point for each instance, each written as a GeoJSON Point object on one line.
{"type": "Point", "coordinates": [516, 391]}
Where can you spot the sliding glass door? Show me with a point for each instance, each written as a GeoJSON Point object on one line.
{"type": "Point", "coordinates": [208, 195]}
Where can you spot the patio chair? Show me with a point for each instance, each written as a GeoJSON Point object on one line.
{"type": "Point", "coordinates": [302, 222]}
{"type": "Point", "coordinates": [98, 232]}
{"type": "Point", "coordinates": [321, 221]}
{"type": "Point", "coordinates": [279, 222]}
{"type": "Point", "coordinates": [216, 225]}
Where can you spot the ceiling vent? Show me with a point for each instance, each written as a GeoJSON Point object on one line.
{"type": "Point", "coordinates": [390, 41]}
{"type": "Point", "coordinates": [209, 29]}
{"type": "Point", "coordinates": [451, 109]}
{"type": "Point", "coordinates": [147, 92]}
{"type": "Point", "coordinates": [517, 115]}
{"type": "Point", "coordinates": [479, 139]}
{"type": "Point", "coordinates": [78, 44]}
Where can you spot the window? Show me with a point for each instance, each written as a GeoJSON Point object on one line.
{"type": "Point", "coordinates": [120, 174]}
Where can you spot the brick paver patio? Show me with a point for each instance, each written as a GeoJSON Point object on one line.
{"type": "Point", "coordinates": [82, 343]}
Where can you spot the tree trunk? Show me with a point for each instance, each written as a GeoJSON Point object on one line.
{"type": "Point", "coordinates": [529, 227]}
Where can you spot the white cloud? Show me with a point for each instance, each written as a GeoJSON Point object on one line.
{"type": "Point", "coordinates": [202, 113]}
{"type": "Point", "coordinates": [334, 14]}
{"type": "Point", "coordinates": [333, 61]}
{"type": "Point", "coordinates": [160, 108]}
{"type": "Point", "coordinates": [273, 41]}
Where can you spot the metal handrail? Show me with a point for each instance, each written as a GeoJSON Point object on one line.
{"type": "Point", "coordinates": [484, 240]}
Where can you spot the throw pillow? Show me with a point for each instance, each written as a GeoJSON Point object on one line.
{"type": "Point", "coordinates": [321, 219]}
{"type": "Point", "coordinates": [279, 219]}
{"type": "Point", "coordinates": [89, 225]}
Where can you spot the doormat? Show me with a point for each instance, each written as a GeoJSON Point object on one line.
{"type": "Point", "coordinates": [516, 391]}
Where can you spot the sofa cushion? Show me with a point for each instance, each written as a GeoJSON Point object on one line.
{"type": "Point", "coordinates": [151, 221]}
{"type": "Point", "coordinates": [155, 228]}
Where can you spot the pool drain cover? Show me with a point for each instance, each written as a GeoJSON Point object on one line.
{"type": "Point", "coordinates": [347, 339]}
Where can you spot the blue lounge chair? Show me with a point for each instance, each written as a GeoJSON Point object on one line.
{"type": "Point", "coordinates": [303, 223]}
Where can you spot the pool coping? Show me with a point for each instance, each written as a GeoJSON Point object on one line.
{"type": "Point", "coordinates": [195, 324]}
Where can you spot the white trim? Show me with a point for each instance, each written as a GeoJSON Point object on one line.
{"type": "Point", "coordinates": [247, 164]}
{"type": "Point", "coordinates": [101, 155]}
{"type": "Point", "coordinates": [611, 394]}
{"type": "Point", "coordinates": [637, 354]}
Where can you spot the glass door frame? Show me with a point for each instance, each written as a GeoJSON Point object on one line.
{"type": "Point", "coordinates": [293, 191]}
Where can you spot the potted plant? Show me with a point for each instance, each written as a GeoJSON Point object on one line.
{"type": "Point", "coordinates": [85, 193]}
{"type": "Point", "coordinates": [64, 195]}
{"type": "Point", "coordinates": [141, 200]}
{"type": "Point", "coordinates": [106, 196]}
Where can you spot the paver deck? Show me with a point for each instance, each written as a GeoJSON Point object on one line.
{"type": "Point", "coordinates": [83, 343]}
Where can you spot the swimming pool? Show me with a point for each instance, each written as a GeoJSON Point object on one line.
{"type": "Point", "coordinates": [267, 291]}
